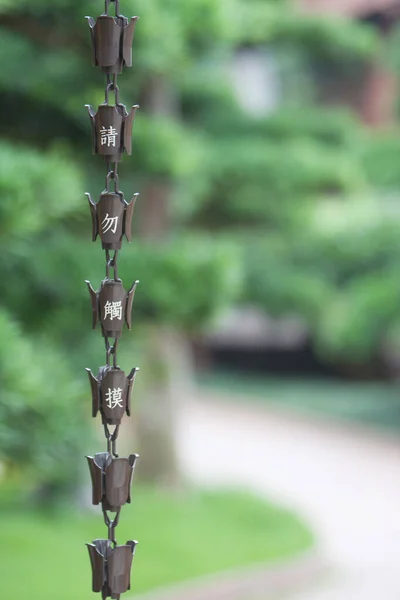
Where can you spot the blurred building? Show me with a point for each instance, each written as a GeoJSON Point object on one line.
{"type": "Point", "coordinates": [349, 8]}
{"type": "Point", "coordinates": [372, 91]}
{"type": "Point", "coordinates": [247, 338]}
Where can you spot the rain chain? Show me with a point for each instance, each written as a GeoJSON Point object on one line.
{"type": "Point", "coordinates": [112, 38]}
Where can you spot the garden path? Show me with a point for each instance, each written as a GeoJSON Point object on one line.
{"type": "Point", "coordinates": [343, 480]}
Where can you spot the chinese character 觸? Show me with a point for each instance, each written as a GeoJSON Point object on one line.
{"type": "Point", "coordinates": [113, 309]}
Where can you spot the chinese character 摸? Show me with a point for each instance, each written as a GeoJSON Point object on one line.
{"type": "Point", "coordinates": [114, 398]}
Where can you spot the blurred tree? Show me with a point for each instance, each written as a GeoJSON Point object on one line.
{"type": "Point", "coordinates": [311, 195]}
{"type": "Point", "coordinates": [41, 416]}
{"type": "Point", "coordinates": [200, 161]}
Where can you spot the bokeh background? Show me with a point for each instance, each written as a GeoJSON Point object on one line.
{"type": "Point", "coordinates": [267, 319]}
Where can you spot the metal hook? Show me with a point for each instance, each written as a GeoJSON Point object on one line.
{"type": "Point", "coordinates": [112, 87]}
{"type": "Point", "coordinates": [111, 439]}
{"type": "Point", "coordinates": [111, 262]}
{"type": "Point", "coordinates": [111, 350]}
{"type": "Point", "coordinates": [108, 351]}
{"type": "Point", "coordinates": [107, 4]}
{"type": "Point", "coordinates": [114, 448]}
{"type": "Point", "coordinates": [111, 524]}
{"type": "Point", "coordinates": [112, 174]}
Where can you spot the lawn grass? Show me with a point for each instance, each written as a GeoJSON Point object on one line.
{"type": "Point", "coordinates": [370, 403]}
{"type": "Point", "coordinates": [43, 557]}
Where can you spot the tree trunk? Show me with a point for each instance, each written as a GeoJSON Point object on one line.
{"type": "Point", "coordinates": [159, 384]}
{"type": "Point", "coordinates": [162, 385]}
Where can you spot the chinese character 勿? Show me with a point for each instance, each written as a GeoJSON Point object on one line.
{"type": "Point", "coordinates": [110, 224]}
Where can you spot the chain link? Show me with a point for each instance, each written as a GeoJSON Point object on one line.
{"type": "Point", "coordinates": [111, 350]}
{"type": "Point", "coordinates": [111, 87]}
{"type": "Point", "coordinates": [112, 175]}
{"type": "Point", "coordinates": [111, 439]}
{"type": "Point", "coordinates": [111, 524]}
{"type": "Point", "coordinates": [107, 5]}
{"type": "Point", "coordinates": [111, 261]}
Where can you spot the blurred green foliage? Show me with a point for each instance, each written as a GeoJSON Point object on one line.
{"type": "Point", "coordinates": [40, 410]}
{"type": "Point", "coordinates": [182, 536]}
{"type": "Point", "coordinates": [300, 206]}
